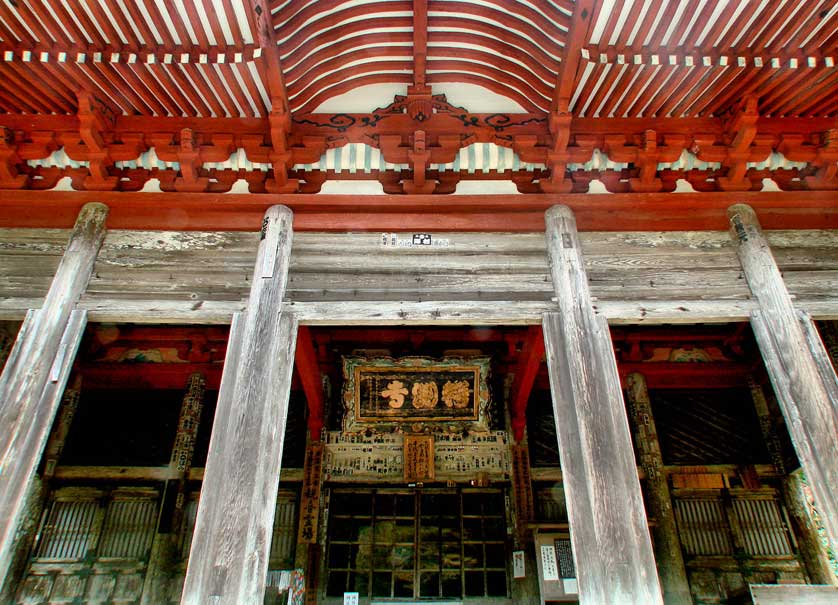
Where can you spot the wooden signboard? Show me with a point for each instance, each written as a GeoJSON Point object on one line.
{"type": "Point", "coordinates": [411, 390]}
{"type": "Point", "coordinates": [310, 499]}
{"type": "Point", "coordinates": [418, 458]}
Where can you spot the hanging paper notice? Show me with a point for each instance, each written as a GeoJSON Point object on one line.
{"type": "Point", "coordinates": [548, 562]}
{"type": "Point", "coordinates": [350, 598]}
{"type": "Point", "coordinates": [518, 564]}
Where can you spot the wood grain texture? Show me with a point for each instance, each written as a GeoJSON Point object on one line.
{"type": "Point", "coordinates": [777, 594]}
{"type": "Point", "coordinates": [231, 544]}
{"type": "Point", "coordinates": [611, 541]}
{"type": "Point", "coordinates": [802, 390]}
{"type": "Point", "coordinates": [196, 277]}
{"type": "Point", "coordinates": [34, 377]}
{"type": "Point", "coordinates": [820, 354]}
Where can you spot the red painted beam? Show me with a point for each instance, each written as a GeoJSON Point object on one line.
{"type": "Point", "coordinates": [147, 375]}
{"type": "Point", "coordinates": [509, 213]}
{"type": "Point", "coordinates": [528, 364]}
{"type": "Point", "coordinates": [689, 375]}
{"type": "Point", "coordinates": [309, 374]}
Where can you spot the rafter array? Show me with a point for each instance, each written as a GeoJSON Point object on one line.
{"type": "Point", "coordinates": [636, 93]}
{"type": "Point", "coordinates": [194, 58]}
{"type": "Point", "coordinates": [698, 58]}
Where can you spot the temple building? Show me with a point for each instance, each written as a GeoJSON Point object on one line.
{"type": "Point", "coordinates": [449, 302]}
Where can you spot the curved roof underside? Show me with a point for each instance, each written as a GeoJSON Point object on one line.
{"type": "Point", "coordinates": [609, 58]}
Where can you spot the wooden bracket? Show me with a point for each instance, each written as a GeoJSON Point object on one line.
{"type": "Point", "coordinates": [99, 146]}
{"type": "Point", "coordinates": [95, 121]}
{"type": "Point", "coordinates": [420, 154]}
{"type": "Point", "coordinates": [279, 122]}
{"type": "Point", "coordinates": [558, 157]}
{"type": "Point", "coordinates": [9, 160]}
{"type": "Point", "coordinates": [282, 153]}
{"type": "Point", "coordinates": [191, 152]}
{"type": "Point", "coordinates": [560, 153]}
{"type": "Point", "coordinates": [36, 145]}
{"type": "Point", "coordinates": [827, 161]}
{"type": "Point", "coordinates": [741, 146]}
{"type": "Point", "coordinates": [646, 155]}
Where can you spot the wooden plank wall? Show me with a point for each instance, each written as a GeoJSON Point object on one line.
{"type": "Point", "coordinates": [206, 275]}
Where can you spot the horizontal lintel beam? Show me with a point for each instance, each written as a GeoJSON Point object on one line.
{"type": "Point", "coordinates": [472, 213]}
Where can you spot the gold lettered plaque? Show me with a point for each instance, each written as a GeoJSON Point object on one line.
{"type": "Point", "coordinates": [386, 391]}
{"type": "Point", "coordinates": [418, 458]}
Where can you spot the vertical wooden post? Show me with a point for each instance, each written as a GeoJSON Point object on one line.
{"type": "Point", "coordinates": [231, 545]}
{"type": "Point", "coordinates": [611, 542]}
{"type": "Point", "coordinates": [800, 382]}
{"type": "Point", "coordinates": [187, 432]}
{"type": "Point", "coordinates": [766, 426]}
{"type": "Point", "coordinates": [61, 427]}
{"type": "Point", "coordinates": [37, 370]}
{"type": "Point", "coordinates": [164, 550]}
{"type": "Point", "coordinates": [671, 569]}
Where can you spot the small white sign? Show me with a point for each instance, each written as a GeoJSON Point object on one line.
{"type": "Point", "coordinates": [413, 240]}
{"type": "Point", "coordinates": [548, 562]}
{"type": "Point", "coordinates": [350, 598]}
{"type": "Point", "coordinates": [518, 567]}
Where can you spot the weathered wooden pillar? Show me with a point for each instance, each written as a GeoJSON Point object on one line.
{"type": "Point", "coordinates": [231, 543]}
{"type": "Point", "coordinates": [611, 543]}
{"type": "Point", "coordinates": [37, 370]}
{"type": "Point", "coordinates": [802, 385]}
{"type": "Point", "coordinates": [38, 491]}
{"type": "Point", "coordinates": [671, 569]}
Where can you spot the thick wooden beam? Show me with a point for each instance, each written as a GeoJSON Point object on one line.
{"type": "Point", "coordinates": [699, 211]}
{"type": "Point", "coordinates": [802, 385]}
{"type": "Point", "coordinates": [671, 569]}
{"type": "Point", "coordinates": [611, 542]}
{"type": "Point", "coordinates": [503, 312]}
{"type": "Point", "coordinates": [37, 370]}
{"type": "Point", "coordinates": [231, 543]}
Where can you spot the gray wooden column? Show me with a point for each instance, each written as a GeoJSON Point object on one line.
{"type": "Point", "coordinates": [232, 539]}
{"type": "Point", "coordinates": [612, 547]}
{"type": "Point", "coordinates": [37, 370]}
{"type": "Point", "coordinates": [802, 382]}
{"type": "Point", "coordinates": [671, 569]}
